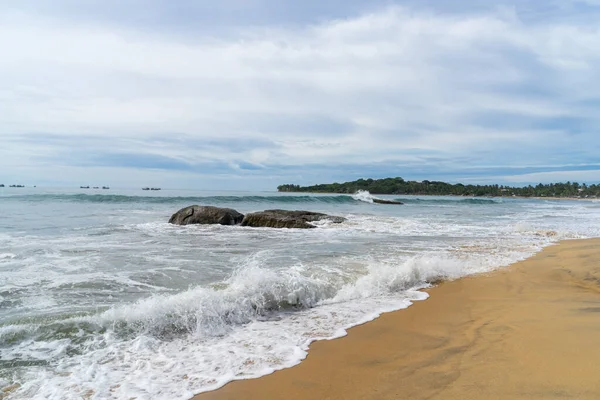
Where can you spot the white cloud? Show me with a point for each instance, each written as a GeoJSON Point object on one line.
{"type": "Point", "coordinates": [395, 79]}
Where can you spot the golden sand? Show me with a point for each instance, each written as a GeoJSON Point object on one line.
{"type": "Point", "coordinates": [530, 331]}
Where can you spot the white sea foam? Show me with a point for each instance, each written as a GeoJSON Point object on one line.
{"type": "Point", "coordinates": [109, 313]}
{"type": "Point", "coordinates": [363, 195]}
{"type": "Point", "coordinates": [259, 321]}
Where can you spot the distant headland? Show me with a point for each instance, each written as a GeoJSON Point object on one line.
{"type": "Point", "coordinates": [399, 186]}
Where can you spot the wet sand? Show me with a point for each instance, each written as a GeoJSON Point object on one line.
{"type": "Point", "coordinates": [530, 331]}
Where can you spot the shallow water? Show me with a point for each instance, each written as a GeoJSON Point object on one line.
{"type": "Point", "coordinates": [101, 298]}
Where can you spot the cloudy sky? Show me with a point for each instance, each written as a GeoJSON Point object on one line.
{"type": "Point", "coordinates": [242, 94]}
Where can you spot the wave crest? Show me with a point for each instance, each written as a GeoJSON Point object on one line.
{"type": "Point", "coordinates": [453, 201]}
{"type": "Point", "coordinates": [102, 198]}
{"type": "Point", "coordinates": [363, 195]}
{"type": "Point", "coordinates": [360, 196]}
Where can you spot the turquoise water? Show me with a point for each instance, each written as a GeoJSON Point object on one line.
{"type": "Point", "coordinates": [101, 298]}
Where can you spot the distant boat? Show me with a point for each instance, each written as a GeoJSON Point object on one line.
{"type": "Point", "coordinates": [145, 188]}
{"type": "Point", "coordinates": [96, 187]}
{"type": "Point", "coordinates": [84, 187]}
{"type": "Point", "coordinates": [17, 186]}
{"type": "Point", "coordinates": [105, 187]}
{"type": "Point", "coordinates": [154, 188]}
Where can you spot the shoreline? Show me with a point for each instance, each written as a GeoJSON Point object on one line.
{"type": "Point", "coordinates": [525, 331]}
{"type": "Point", "coordinates": [458, 196]}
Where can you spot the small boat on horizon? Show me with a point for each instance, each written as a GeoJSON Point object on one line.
{"type": "Point", "coordinates": [146, 188]}
{"type": "Point", "coordinates": [154, 188]}
{"type": "Point", "coordinates": [84, 187]}
{"type": "Point", "coordinates": [105, 187]}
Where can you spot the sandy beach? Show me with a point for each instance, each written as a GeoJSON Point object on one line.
{"type": "Point", "coordinates": [529, 331]}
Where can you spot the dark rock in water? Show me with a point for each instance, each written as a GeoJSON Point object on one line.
{"type": "Point", "coordinates": [381, 201]}
{"type": "Point", "coordinates": [287, 219]}
{"type": "Point", "coordinates": [206, 215]}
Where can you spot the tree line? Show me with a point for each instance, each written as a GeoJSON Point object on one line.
{"type": "Point", "coordinates": [400, 186]}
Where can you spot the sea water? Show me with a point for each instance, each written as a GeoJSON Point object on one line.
{"type": "Point", "coordinates": [101, 298]}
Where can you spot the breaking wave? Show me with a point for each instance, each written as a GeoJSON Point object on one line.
{"type": "Point", "coordinates": [455, 201]}
{"type": "Point", "coordinates": [273, 314]}
{"type": "Point", "coordinates": [100, 198]}
{"type": "Point", "coordinates": [362, 196]}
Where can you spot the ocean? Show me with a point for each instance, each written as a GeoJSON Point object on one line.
{"type": "Point", "coordinates": [101, 298]}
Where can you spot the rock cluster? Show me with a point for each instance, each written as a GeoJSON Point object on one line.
{"type": "Point", "coordinates": [269, 218]}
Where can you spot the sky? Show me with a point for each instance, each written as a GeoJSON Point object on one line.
{"type": "Point", "coordinates": [250, 94]}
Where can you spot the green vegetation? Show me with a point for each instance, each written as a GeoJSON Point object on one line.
{"type": "Point", "coordinates": [400, 186]}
